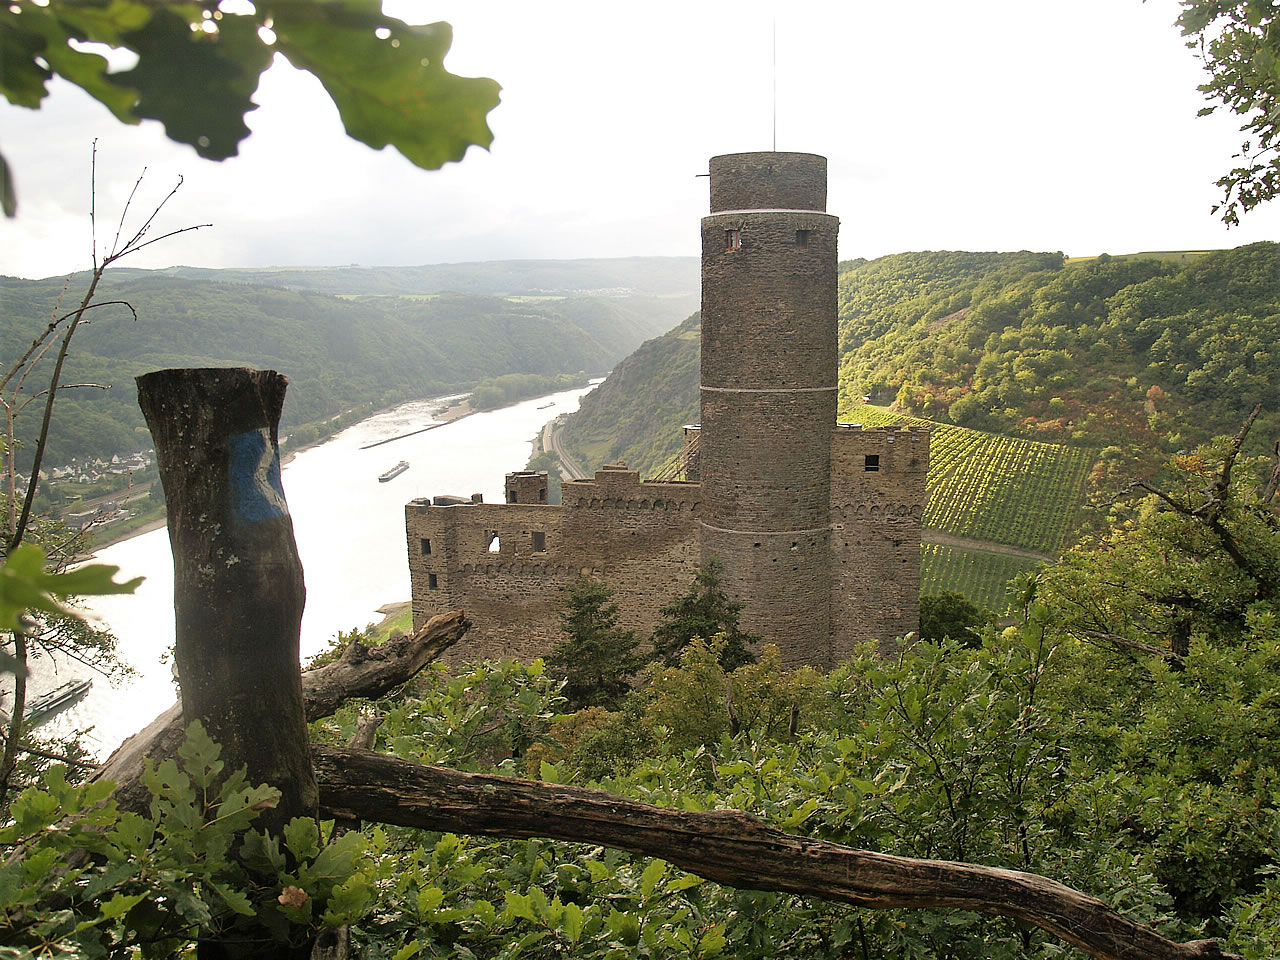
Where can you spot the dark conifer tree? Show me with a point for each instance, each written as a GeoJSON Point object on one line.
{"type": "Point", "coordinates": [705, 611]}
{"type": "Point", "coordinates": [596, 658]}
{"type": "Point", "coordinates": [951, 614]}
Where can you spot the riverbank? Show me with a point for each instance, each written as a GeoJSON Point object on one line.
{"type": "Point", "coordinates": [397, 618]}
{"type": "Point", "coordinates": [456, 410]}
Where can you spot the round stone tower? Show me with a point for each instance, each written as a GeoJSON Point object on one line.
{"type": "Point", "coordinates": [769, 394]}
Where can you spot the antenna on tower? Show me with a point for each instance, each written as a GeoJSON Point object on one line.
{"type": "Point", "coordinates": [775, 84]}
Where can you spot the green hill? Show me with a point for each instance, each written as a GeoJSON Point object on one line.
{"type": "Point", "coordinates": [636, 415]}
{"type": "Point", "coordinates": [997, 506]}
{"type": "Point", "coordinates": [1147, 354]}
{"type": "Point", "coordinates": [354, 353]}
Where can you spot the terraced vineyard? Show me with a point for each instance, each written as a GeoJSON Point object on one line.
{"type": "Point", "coordinates": [995, 489]}
{"type": "Point", "coordinates": [980, 575]}
{"type": "Point", "coordinates": [1003, 489]}
{"type": "Point", "coordinates": [984, 486]}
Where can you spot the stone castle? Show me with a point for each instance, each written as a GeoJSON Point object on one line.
{"type": "Point", "coordinates": [816, 524]}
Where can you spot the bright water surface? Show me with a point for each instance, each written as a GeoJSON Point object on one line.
{"type": "Point", "coordinates": [350, 534]}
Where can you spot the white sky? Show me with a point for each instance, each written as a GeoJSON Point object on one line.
{"type": "Point", "coordinates": [978, 125]}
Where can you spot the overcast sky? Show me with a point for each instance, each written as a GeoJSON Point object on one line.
{"type": "Point", "coordinates": [977, 125]}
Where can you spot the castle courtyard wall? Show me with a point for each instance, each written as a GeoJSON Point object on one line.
{"type": "Point", "coordinates": [639, 538]}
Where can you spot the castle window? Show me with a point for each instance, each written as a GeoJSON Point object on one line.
{"type": "Point", "coordinates": [539, 542]}
{"type": "Point", "coordinates": [491, 536]}
{"type": "Point", "coordinates": [432, 583]}
{"type": "Point", "coordinates": [512, 497]}
{"type": "Point", "coordinates": [871, 463]}
{"type": "Point", "coordinates": [733, 239]}
{"type": "Point", "coordinates": [426, 547]}
{"type": "Point", "coordinates": [802, 238]}
{"type": "Point", "coordinates": [542, 494]}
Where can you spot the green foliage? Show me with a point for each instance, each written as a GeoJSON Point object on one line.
{"type": "Point", "coordinates": [198, 67]}
{"type": "Point", "coordinates": [1068, 354]}
{"type": "Point", "coordinates": [1134, 783]}
{"type": "Point", "coordinates": [702, 700]}
{"type": "Point", "coordinates": [25, 585]}
{"type": "Point", "coordinates": [1199, 560]}
{"type": "Point", "coordinates": [192, 869]}
{"type": "Point", "coordinates": [1151, 783]}
{"type": "Point", "coordinates": [949, 616]}
{"type": "Point", "coordinates": [704, 611]}
{"type": "Point", "coordinates": [596, 659]}
{"type": "Point", "coordinates": [983, 754]}
{"type": "Point", "coordinates": [484, 716]}
{"type": "Point", "coordinates": [1238, 45]}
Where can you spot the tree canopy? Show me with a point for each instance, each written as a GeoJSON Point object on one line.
{"type": "Point", "coordinates": [198, 64]}
{"type": "Point", "coordinates": [1239, 42]}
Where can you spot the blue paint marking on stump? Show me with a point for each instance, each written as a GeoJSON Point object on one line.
{"type": "Point", "coordinates": [254, 473]}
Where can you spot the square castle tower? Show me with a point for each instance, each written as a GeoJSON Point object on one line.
{"type": "Point", "coordinates": [815, 524]}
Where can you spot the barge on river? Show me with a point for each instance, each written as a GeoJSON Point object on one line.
{"type": "Point", "coordinates": [394, 472]}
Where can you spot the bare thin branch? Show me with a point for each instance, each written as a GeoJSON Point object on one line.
{"type": "Point", "coordinates": [14, 726]}
{"type": "Point", "coordinates": [115, 241]}
{"type": "Point", "coordinates": [36, 344]}
{"type": "Point", "coordinates": [1267, 492]}
{"type": "Point", "coordinates": [93, 203]}
{"type": "Point", "coordinates": [133, 244]}
{"type": "Point", "coordinates": [163, 236]}
{"type": "Point", "coordinates": [102, 303]}
{"type": "Point", "coordinates": [1218, 497]}
{"type": "Point", "coordinates": [57, 758]}
{"type": "Point", "coordinates": [1128, 644]}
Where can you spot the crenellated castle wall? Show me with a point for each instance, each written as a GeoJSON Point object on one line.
{"type": "Point", "coordinates": [508, 564]}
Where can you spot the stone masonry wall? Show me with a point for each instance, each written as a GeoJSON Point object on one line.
{"type": "Point", "coordinates": [640, 538]}
{"type": "Point", "coordinates": [768, 395]}
{"type": "Point", "coordinates": [768, 181]}
{"type": "Point", "coordinates": [816, 525]}
{"type": "Point", "coordinates": [877, 501]}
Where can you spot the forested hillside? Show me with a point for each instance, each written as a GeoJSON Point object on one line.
{"type": "Point", "coordinates": [1148, 354]}
{"type": "Point", "coordinates": [1110, 364]}
{"type": "Point", "coordinates": [636, 415]}
{"type": "Point", "coordinates": [340, 353]}
{"type": "Point", "coordinates": [1145, 354]}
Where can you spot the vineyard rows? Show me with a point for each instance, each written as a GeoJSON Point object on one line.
{"type": "Point", "coordinates": [982, 577]}
{"type": "Point", "coordinates": [1001, 489]}
{"type": "Point", "coordinates": [1004, 489]}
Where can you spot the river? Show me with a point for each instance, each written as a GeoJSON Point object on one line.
{"type": "Point", "coordinates": [350, 534]}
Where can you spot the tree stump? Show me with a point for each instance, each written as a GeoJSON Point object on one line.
{"type": "Point", "coordinates": [238, 587]}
